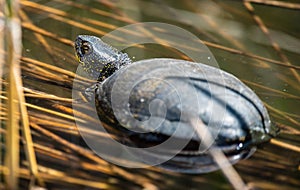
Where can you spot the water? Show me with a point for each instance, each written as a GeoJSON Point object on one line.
{"type": "Point", "coordinates": [236, 41]}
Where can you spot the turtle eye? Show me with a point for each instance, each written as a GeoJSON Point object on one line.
{"type": "Point", "coordinates": [85, 48]}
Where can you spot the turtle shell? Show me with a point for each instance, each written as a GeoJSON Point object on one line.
{"type": "Point", "coordinates": [150, 101]}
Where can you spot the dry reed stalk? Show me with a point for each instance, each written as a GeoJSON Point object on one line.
{"type": "Point", "coordinates": [292, 114]}
{"type": "Point", "coordinates": [219, 157]}
{"type": "Point", "coordinates": [273, 42]}
{"type": "Point", "coordinates": [55, 176]}
{"type": "Point", "coordinates": [12, 36]}
{"type": "Point", "coordinates": [282, 114]}
{"type": "Point", "coordinates": [84, 152]}
{"type": "Point", "coordinates": [125, 19]}
{"type": "Point", "coordinates": [216, 26]}
{"type": "Point", "coordinates": [149, 34]}
{"type": "Point", "coordinates": [3, 116]}
{"type": "Point", "coordinates": [48, 111]}
{"type": "Point", "coordinates": [90, 155]}
{"type": "Point", "coordinates": [67, 157]}
{"type": "Point", "coordinates": [80, 164]}
{"type": "Point", "coordinates": [271, 90]}
{"type": "Point", "coordinates": [239, 52]}
{"type": "Point", "coordinates": [42, 95]}
{"type": "Point", "coordinates": [65, 116]}
{"type": "Point", "coordinates": [39, 37]}
{"type": "Point", "coordinates": [70, 111]}
{"type": "Point", "coordinates": [67, 15]}
{"type": "Point", "coordinates": [36, 29]}
{"type": "Point", "coordinates": [56, 154]}
{"type": "Point", "coordinates": [69, 128]}
{"type": "Point", "coordinates": [75, 17]}
{"type": "Point", "coordinates": [50, 67]}
{"type": "Point", "coordinates": [210, 44]}
{"type": "Point", "coordinates": [281, 4]}
{"type": "Point", "coordinates": [98, 11]}
{"type": "Point", "coordinates": [65, 127]}
{"type": "Point", "coordinates": [67, 21]}
{"type": "Point", "coordinates": [60, 15]}
{"type": "Point", "coordinates": [53, 14]}
{"type": "Point", "coordinates": [288, 80]}
{"type": "Point", "coordinates": [285, 145]}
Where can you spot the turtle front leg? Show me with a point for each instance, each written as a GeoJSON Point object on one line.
{"type": "Point", "coordinates": [89, 93]}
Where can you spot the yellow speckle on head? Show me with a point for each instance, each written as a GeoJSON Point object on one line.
{"type": "Point", "coordinates": [82, 63]}
{"type": "Point", "coordinates": [79, 61]}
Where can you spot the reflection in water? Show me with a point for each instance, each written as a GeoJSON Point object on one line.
{"type": "Point", "coordinates": [257, 43]}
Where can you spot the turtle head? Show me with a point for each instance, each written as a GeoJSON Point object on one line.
{"type": "Point", "coordinates": [98, 59]}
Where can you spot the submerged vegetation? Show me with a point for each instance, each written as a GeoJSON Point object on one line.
{"type": "Point", "coordinates": [41, 145]}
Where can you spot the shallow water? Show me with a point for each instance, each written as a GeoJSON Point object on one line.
{"type": "Point", "coordinates": [236, 41]}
